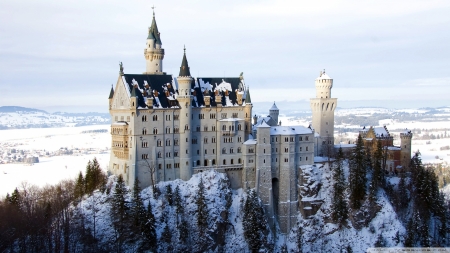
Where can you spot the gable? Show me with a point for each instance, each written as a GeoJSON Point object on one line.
{"type": "Point", "coordinates": [121, 98]}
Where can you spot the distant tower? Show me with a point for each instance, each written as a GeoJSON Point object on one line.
{"type": "Point", "coordinates": [323, 107]}
{"type": "Point", "coordinates": [153, 52]}
{"type": "Point", "coordinates": [184, 98]}
{"type": "Point", "coordinates": [405, 143]}
{"type": "Point", "coordinates": [274, 112]}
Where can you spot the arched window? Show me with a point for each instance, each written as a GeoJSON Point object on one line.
{"type": "Point", "coordinates": [144, 118]}
{"type": "Point", "coordinates": [155, 117]}
{"type": "Point", "coordinates": [159, 155]}
{"type": "Point", "coordinates": [168, 142]}
{"type": "Point", "coordinates": [214, 162]}
{"type": "Point", "coordinates": [232, 161]}
{"type": "Point", "coordinates": [224, 128]}
{"type": "Point", "coordinates": [205, 163]}
{"type": "Point", "coordinates": [239, 127]}
{"type": "Point", "coordinates": [239, 150]}
{"type": "Point", "coordinates": [186, 127]}
{"type": "Point", "coordinates": [198, 162]}
{"type": "Point", "coordinates": [224, 162]}
{"type": "Point", "coordinates": [158, 143]}
{"type": "Point", "coordinates": [167, 130]}
{"type": "Point", "coordinates": [224, 151]}
{"type": "Point", "coordinates": [155, 130]}
{"type": "Point", "coordinates": [144, 131]}
{"type": "Point", "coordinates": [239, 161]}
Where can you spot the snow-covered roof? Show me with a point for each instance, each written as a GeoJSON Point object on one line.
{"type": "Point", "coordinates": [263, 124]}
{"type": "Point", "coordinates": [274, 106]}
{"type": "Point", "coordinates": [250, 142]}
{"type": "Point", "coordinates": [289, 130]}
{"type": "Point", "coordinates": [231, 119]}
{"type": "Point", "coordinates": [381, 131]}
{"type": "Point", "coordinates": [323, 75]}
{"type": "Point", "coordinates": [344, 145]}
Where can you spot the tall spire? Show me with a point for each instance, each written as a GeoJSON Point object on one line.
{"type": "Point", "coordinates": [153, 31]}
{"type": "Point", "coordinates": [111, 93]}
{"type": "Point", "coordinates": [184, 69]}
{"type": "Point", "coordinates": [248, 100]}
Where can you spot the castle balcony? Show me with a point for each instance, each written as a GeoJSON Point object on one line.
{"type": "Point", "coordinates": [218, 168]}
{"type": "Point", "coordinates": [228, 133]}
{"type": "Point", "coordinates": [121, 153]}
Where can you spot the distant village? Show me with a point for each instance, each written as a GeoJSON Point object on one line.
{"type": "Point", "coordinates": [11, 154]}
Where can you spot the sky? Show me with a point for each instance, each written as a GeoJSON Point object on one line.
{"type": "Point", "coordinates": [64, 55]}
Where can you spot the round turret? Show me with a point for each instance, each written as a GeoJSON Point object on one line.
{"type": "Point", "coordinates": [324, 83]}
{"type": "Point", "coordinates": [274, 112]}
{"type": "Point", "coordinates": [405, 145]}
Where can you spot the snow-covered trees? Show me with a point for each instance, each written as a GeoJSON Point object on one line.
{"type": "Point", "coordinates": [357, 180]}
{"type": "Point", "coordinates": [254, 222]}
{"type": "Point", "coordinates": [120, 211]}
{"type": "Point", "coordinates": [339, 208]}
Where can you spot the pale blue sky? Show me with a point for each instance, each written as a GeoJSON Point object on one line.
{"type": "Point", "coordinates": [65, 54]}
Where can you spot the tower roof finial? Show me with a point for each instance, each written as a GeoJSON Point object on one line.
{"type": "Point", "coordinates": [153, 7]}
{"type": "Point", "coordinates": [184, 69]}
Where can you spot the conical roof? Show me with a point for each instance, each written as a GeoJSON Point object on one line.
{"type": "Point", "coordinates": [274, 106]}
{"type": "Point", "coordinates": [154, 31]}
{"type": "Point", "coordinates": [248, 100]}
{"type": "Point", "coordinates": [184, 69]}
{"type": "Point", "coordinates": [133, 92]}
{"type": "Point", "coordinates": [111, 93]}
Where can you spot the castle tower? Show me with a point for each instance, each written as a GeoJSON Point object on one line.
{"type": "Point", "coordinates": [405, 144]}
{"type": "Point", "coordinates": [248, 114]}
{"type": "Point", "coordinates": [185, 99]}
{"type": "Point", "coordinates": [264, 171]}
{"type": "Point", "coordinates": [323, 107]}
{"type": "Point", "coordinates": [274, 112]}
{"type": "Point", "coordinates": [153, 52]}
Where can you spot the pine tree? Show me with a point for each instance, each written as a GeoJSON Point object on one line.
{"type": "Point", "coordinates": [403, 196]}
{"type": "Point", "coordinates": [137, 207]}
{"type": "Point", "coordinates": [169, 194]}
{"type": "Point", "coordinates": [299, 239]}
{"type": "Point", "coordinates": [88, 178]}
{"type": "Point", "coordinates": [339, 210]}
{"type": "Point", "coordinates": [254, 222]}
{"type": "Point", "coordinates": [358, 175]}
{"type": "Point", "coordinates": [377, 174]}
{"type": "Point", "coordinates": [202, 208]}
{"type": "Point", "coordinates": [178, 203]}
{"type": "Point", "coordinates": [380, 243]}
{"type": "Point", "coordinates": [120, 212]}
{"type": "Point", "coordinates": [79, 187]}
{"type": "Point", "coordinates": [15, 198]}
{"type": "Point", "coordinates": [184, 231]}
{"type": "Point", "coordinates": [148, 230]}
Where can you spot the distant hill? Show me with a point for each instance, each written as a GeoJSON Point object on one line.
{"type": "Point", "coordinates": [17, 117]}
{"type": "Point", "coordinates": [19, 109]}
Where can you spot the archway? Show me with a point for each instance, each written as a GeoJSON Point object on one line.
{"type": "Point", "coordinates": [275, 192]}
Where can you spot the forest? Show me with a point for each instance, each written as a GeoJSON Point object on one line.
{"type": "Point", "coordinates": [97, 213]}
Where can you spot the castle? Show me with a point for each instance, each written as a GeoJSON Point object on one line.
{"type": "Point", "coordinates": [166, 128]}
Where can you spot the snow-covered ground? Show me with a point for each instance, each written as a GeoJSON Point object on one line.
{"type": "Point", "coordinates": [49, 170]}
{"type": "Point", "coordinates": [52, 169]}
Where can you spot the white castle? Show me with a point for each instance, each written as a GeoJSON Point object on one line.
{"type": "Point", "coordinates": [166, 128]}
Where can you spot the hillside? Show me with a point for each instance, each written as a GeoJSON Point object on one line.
{"type": "Point", "coordinates": [319, 234]}
{"type": "Point", "coordinates": [16, 117]}
{"type": "Point", "coordinates": [95, 213]}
